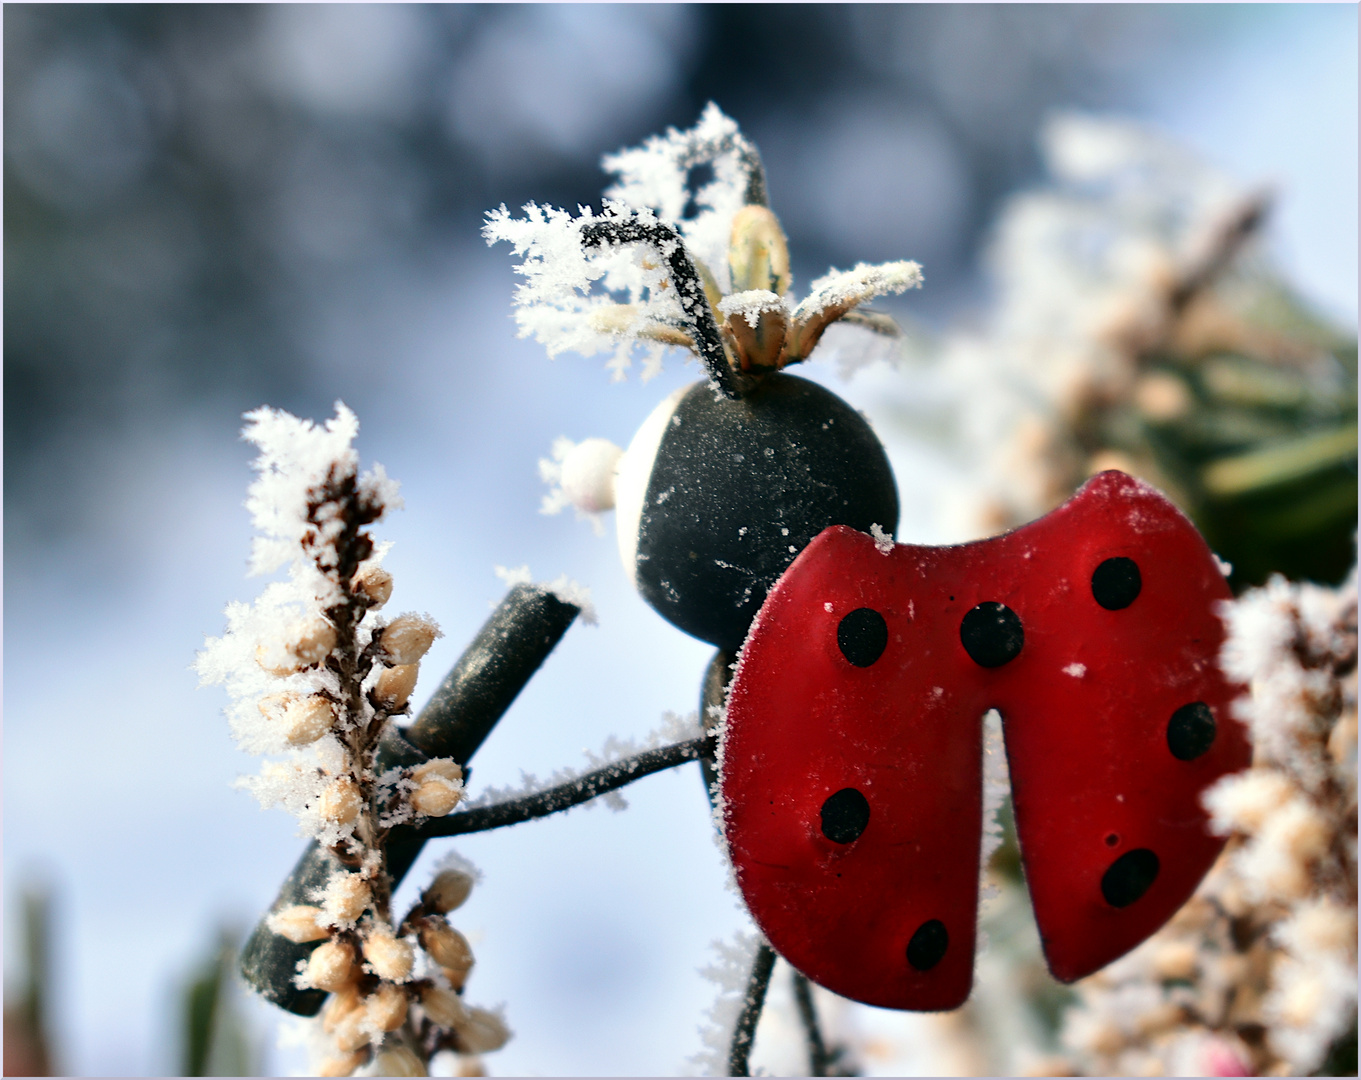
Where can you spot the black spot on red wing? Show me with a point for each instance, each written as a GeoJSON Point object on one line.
{"type": "Point", "coordinates": [928, 945]}
{"type": "Point", "coordinates": [845, 815]}
{"type": "Point", "coordinates": [1129, 877]}
{"type": "Point", "coordinates": [1112, 839]}
{"type": "Point", "coordinates": [1191, 731]}
{"type": "Point", "coordinates": [991, 634]}
{"type": "Point", "coordinates": [862, 636]}
{"type": "Point", "coordinates": [1116, 583]}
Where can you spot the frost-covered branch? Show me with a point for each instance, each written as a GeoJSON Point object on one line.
{"type": "Point", "coordinates": [317, 674]}
{"type": "Point", "coordinates": [744, 1033]}
{"type": "Point", "coordinates": [573, 793]}
{"type": "Point", "coordinates": [699, 316]}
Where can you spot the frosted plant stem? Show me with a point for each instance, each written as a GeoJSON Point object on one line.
{"type": "Point", "coordinates": [739, 1055]}
{"type": "Point", "coordinates": [689, 288]}
{"type": "Point", "coordinates": [818, 1058]}
{"type": "Point", "coordinates": [583, 789]}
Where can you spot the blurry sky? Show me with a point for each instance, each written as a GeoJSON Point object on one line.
{"type": "Point", "coordinates": [211, 207]}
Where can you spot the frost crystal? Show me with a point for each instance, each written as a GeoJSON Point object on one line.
{"type": "Point", "coordinates": [642, 274]}
{"type": "Point", "coordinates": [730, 973]}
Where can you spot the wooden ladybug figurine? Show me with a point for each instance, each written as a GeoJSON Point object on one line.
{"type": "Point", "coordinates": [755, 510]}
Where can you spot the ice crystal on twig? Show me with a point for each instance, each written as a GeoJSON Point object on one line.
{"type": "Point", "coordinates": [642, 272]}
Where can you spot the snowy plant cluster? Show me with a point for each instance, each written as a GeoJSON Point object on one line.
{"type": "Point", "coordinates": [1137, 325]}
{"type": "Point", "coordinates": [316, 674]}
{"type": "Point", "coordinates": [1257, 975]}
{"type": "Point", "coordinates": [662, 264]}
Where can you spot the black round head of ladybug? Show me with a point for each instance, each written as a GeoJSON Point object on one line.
{"type": "Point", "coordinates": [729, 478]}
{"type": "Point", "coordinates": [716, 496]}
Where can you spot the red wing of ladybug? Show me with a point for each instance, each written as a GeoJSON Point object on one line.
{"type": "Point", "coordinates": [852, 756]}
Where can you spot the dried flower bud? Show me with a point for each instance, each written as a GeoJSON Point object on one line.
{"type": "Point", "coordinates": [482, 1032]}
{"type": "Point", "coordinates": [446, 946]}
{"type": "Point", "coordinates": [445, 767]}
{"type": "Point", "coordinates": [304, 719]}
{"type": "Point", "coordinates": [436, 798]}
{"type": "Point", "coordinates": [395, 684]}
{"type": "Point", "coordinates": [331, 966]}
{"type": "Point", "coordinates": [299, 923]}
{"type": "Point", "coordinates": [398, 1061]}
{"type": "Point", "coordinates": [385, 1009]}
{"type": "Point", "coordinates": [448, 891]}
{"type": "Point", "coordinates": [341, 801]}
{"type": "Point", "coordinates": [408, 638]}
{"type": "Point", "coordinates": [458, 978]}
{"type": "Point", "coordinates": [307, 645]}
{"type": "Point", "coordinates": [338, 1006]}
{"type": "Point", "coordinates": [374, 584]}
{"type": "Point", "coordinates": [1176, 960]}
{"type": "Point", "coordinates": [351, 1032]}
{"type": "Point", "coordinates": [346, 897]}
{"type": "Point", "coordinates": [1322, 926]}
{"type": "Point", "coordinates": [444, 1007]}
{"type": "Point", "coordinates": [341, 1066]}
{"type": "Point", "coordinates": [389, 958]}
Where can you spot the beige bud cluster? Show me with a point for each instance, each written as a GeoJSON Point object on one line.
{"type": "Point", "coordinates": [439, 787]}
{"type": "Point", "coordinates": [394, 686]}
{"type": "Point", "coordinates": [388, 956]}
{"type": "Point", "coordinates": [303, 718]}
{"type": "Point", "coordinates": [407, 638]}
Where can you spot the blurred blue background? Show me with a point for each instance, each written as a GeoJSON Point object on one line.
{"type": "Point", "coordinates": [212, 207]}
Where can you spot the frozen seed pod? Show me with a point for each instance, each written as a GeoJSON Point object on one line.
{"type": "Point", "coordinates": [351, 1031]}
{"type": "Point", "coordinates": [444, 1007]}
{"type": "Point", "coordinates": [374, 584]}
{"type": "Point", "coordinates": [338, 1006]}
{"type": "Point", "coordinates": [303, 719]}
{"type": "Point", "coordinates": [395, 684]}
{"type": "Point", "coordinates": [299, 923]}
{"type": "Point", "coordinates": [446, 946]}
{"type": "Point", "coordinates": [397, 1061]}
{"type": "Point", "coordinates": [331, 966]}
{"type": "Point", "coordinates": [346, 898]}
{"type": "Point", "coordinates": [341, 801]}
{"type": "Point", "coordinates": [407, 638]}
{"type": "Point", "coordinates": [436, 798]}
{"type": "Point", "coordinates": [481, 1032]}
{"type": "Point", "coordinates": [446, 768]}
{"type": "Point", "coordinates": [385, 1008]}
{"type": "Point", "coordinates": [307, 645]}
{"type": "Point", "coordinates": [448, 891]}
{"type": "Point", "coordinates": [388, 957]}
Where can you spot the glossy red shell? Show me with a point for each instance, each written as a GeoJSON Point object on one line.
{"type": "Point", "coordinates": [1086, 706]}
